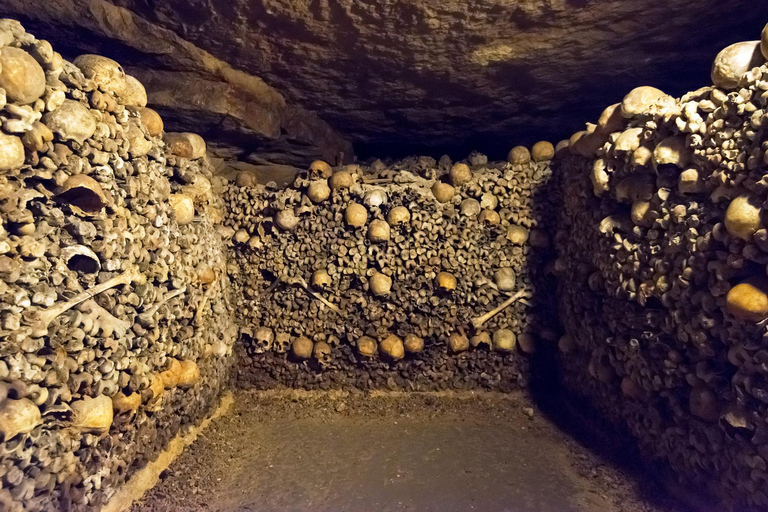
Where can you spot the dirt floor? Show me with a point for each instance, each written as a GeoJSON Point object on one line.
{"type": "Point", "coordinates": [339, 451]}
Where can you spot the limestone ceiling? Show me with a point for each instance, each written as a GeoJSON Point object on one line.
{"type": "Point", "coordinates": [434, 76]}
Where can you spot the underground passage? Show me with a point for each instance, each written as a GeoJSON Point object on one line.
{"type": "Point", "coordinates": [328, 255]}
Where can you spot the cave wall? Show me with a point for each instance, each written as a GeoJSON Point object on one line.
{"type": "Point", "coordinates": [395, 77]}
{"type": "Point", "coordinates": [405, 77]}
{"type": "Point", "coordinates": [241, 116]}
{"type": "Point", "coordinates": [662, 252]}
{"type": "Point", "coordinates": [376, 277]}
{"type": "Point", "coordinates": [110, 264]}
{"type": "Point", "coordinates": [660, 260]}
{"type": "Point", "coordinates": [121, 246]}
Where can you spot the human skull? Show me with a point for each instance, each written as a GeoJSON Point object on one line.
{"type": "Point", "coordinates": [443, 192]}
{"type": "Point", "coordinates": [71, 121]}
{"type": "Point", "coordinates": [376, 197]}
{"type": "Point", "coordinates": [282, 342]}
{"type": "Point", "coordinates": [481, 339]}
{"type": "Point", "coordinates": [321, 279]}
{"type": "Point", "coordinates": [264, 339]}
{"type": "Point", "coordinates": [460, 174]}
{"type": "Point", "coordinates": [470, 207]}
{"type": "Point", "coordinates": [318, 191]}
{"type": "Point", "coordinates": [378, 231]}
{"type": "Point", "coordinates": [322, 354]}
{"type": "Point", "coordinates": [320, 169]}
{"type": "Point", "coordinates": [392, 347]}
{"type": "Point", "coordinates": [356, 215]}
{"type": "Point", "coordinates": [380, 284]}
{"type": "Point", "coordinates": [458, 342]}
{"type": "Point", "coordinates": [302, 348]}
{"type": "Point", "coordinates": [18, 417]}
{"type": "Point", "coordinates": [366, 346]}
{"type": "Point", "coordinates": [505, 279]}
{"type": "Point", "coordinates": [107, 74]}
{"type": "Point", "coordinates": [488, 201]}
{"type": "Point", "coordinates": [398, 215]}
{"type": "Point", "coordinates": [340, 180]}
{"type": "Point", "coordinates": [734, 61]}
{"type": "Point", "coordinates": [286, 219]}
{"type": "Point", "coordinates": [21, 76]}
{"type": "Point", "coordinates": [445, 281]}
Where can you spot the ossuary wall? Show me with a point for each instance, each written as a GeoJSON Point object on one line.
{"type": "Point", "coordinates": [128, 270]}
{"type": "Point", "coordinates": [663, 249]}
{"type": "Point", "coordinates": [110, 267]}
{"type": "Point", "coordinates": [416, 275]}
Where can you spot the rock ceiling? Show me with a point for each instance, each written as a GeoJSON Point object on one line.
{"type": "Point", "coordinates": [395, 76]}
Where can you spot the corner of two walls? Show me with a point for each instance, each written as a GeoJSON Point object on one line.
{"type": "Point", "coordinates": [377, 276]}
{"type": "Point", "coordinates": [118, 315]}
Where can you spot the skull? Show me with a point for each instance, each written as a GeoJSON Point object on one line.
{"type": "Point", "coordinates": [321, 279]}
{"type": "Point", "coordinates": [322, 353]}
{"type": "Point", "coordinates": [264, 338]}
{"type": "Point", "coordinates": [282, 342]}
{"type": "Point", "coordinates": [376, 197]}
{"type": "Point", "coordinates": [319, 169]}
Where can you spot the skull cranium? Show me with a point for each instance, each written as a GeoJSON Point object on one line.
{"type": "Point", "coordinates": [264, 337]}
{"type": "Point", "coordinates": [322, 353]}
{"type": "Point", "coordinates": [282, 342]}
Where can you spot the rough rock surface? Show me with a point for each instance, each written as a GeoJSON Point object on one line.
{"type": "Point", "coordinates": [193, 90]}
{"type": "Point", "coordinates": [416, 77]}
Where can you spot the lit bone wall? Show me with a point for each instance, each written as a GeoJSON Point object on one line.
{"type": "Point", "coordinates": [416, 275]}
{"type": "Point", "coordinates": [110, 267]}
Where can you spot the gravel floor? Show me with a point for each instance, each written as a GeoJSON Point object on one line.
{"type": "Point", "coordinates": [339, 451]}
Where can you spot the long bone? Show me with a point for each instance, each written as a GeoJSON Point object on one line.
{"type": "Point", "coordinates": [299, 281]}
{"type": "Point", "coordinates": [206, 296]}
{"type": "Point", "coordinates": [40, 328]}
{"type": "Point", "coordinates": [149, 313]}
{"type": "Point", "coordinates": [479, 321]}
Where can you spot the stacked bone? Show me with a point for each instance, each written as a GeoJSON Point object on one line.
{"type": "Point", "coordinates": [663, 249]}
{"type": "Point", "coordinates": [417, 275]}
{"type": "Point", "coordinates": [109, 262]}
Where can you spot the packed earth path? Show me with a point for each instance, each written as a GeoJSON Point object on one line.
{"type": "Point", "coordinates": [340, 451]}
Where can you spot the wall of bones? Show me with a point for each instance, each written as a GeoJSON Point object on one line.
{"type": "Point", "coordinates": [663, 290]}
{"type": "Point", "coordinates": [416, 275]}
{"type": "Point", "coordinates": [110, 262]}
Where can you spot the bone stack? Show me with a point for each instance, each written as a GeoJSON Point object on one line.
{"type": "Point", "coordinates": [388, 271]}
{"type": "Point", "coordinates": [662, 264]}
{"type": "Point", "coordinates": [110, 262]}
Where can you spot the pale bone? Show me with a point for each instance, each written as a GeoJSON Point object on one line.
{"type": "Point", "coordinates": [479, 321]}
{"type": "Point", "coordinates": [299, 281]}
{"type": "Point", "coordinates": [175, 293]}
{"type": "Point", "coordinates": [40, 329]}
{"type": "Point", "coordinates": [271, 288]}
{"type": "Point", "coordinates": [204, 301]}
{"type": "Point", "coordinates": [381, 181]}
{"type": "Point", "coordinates": [106, 321]}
